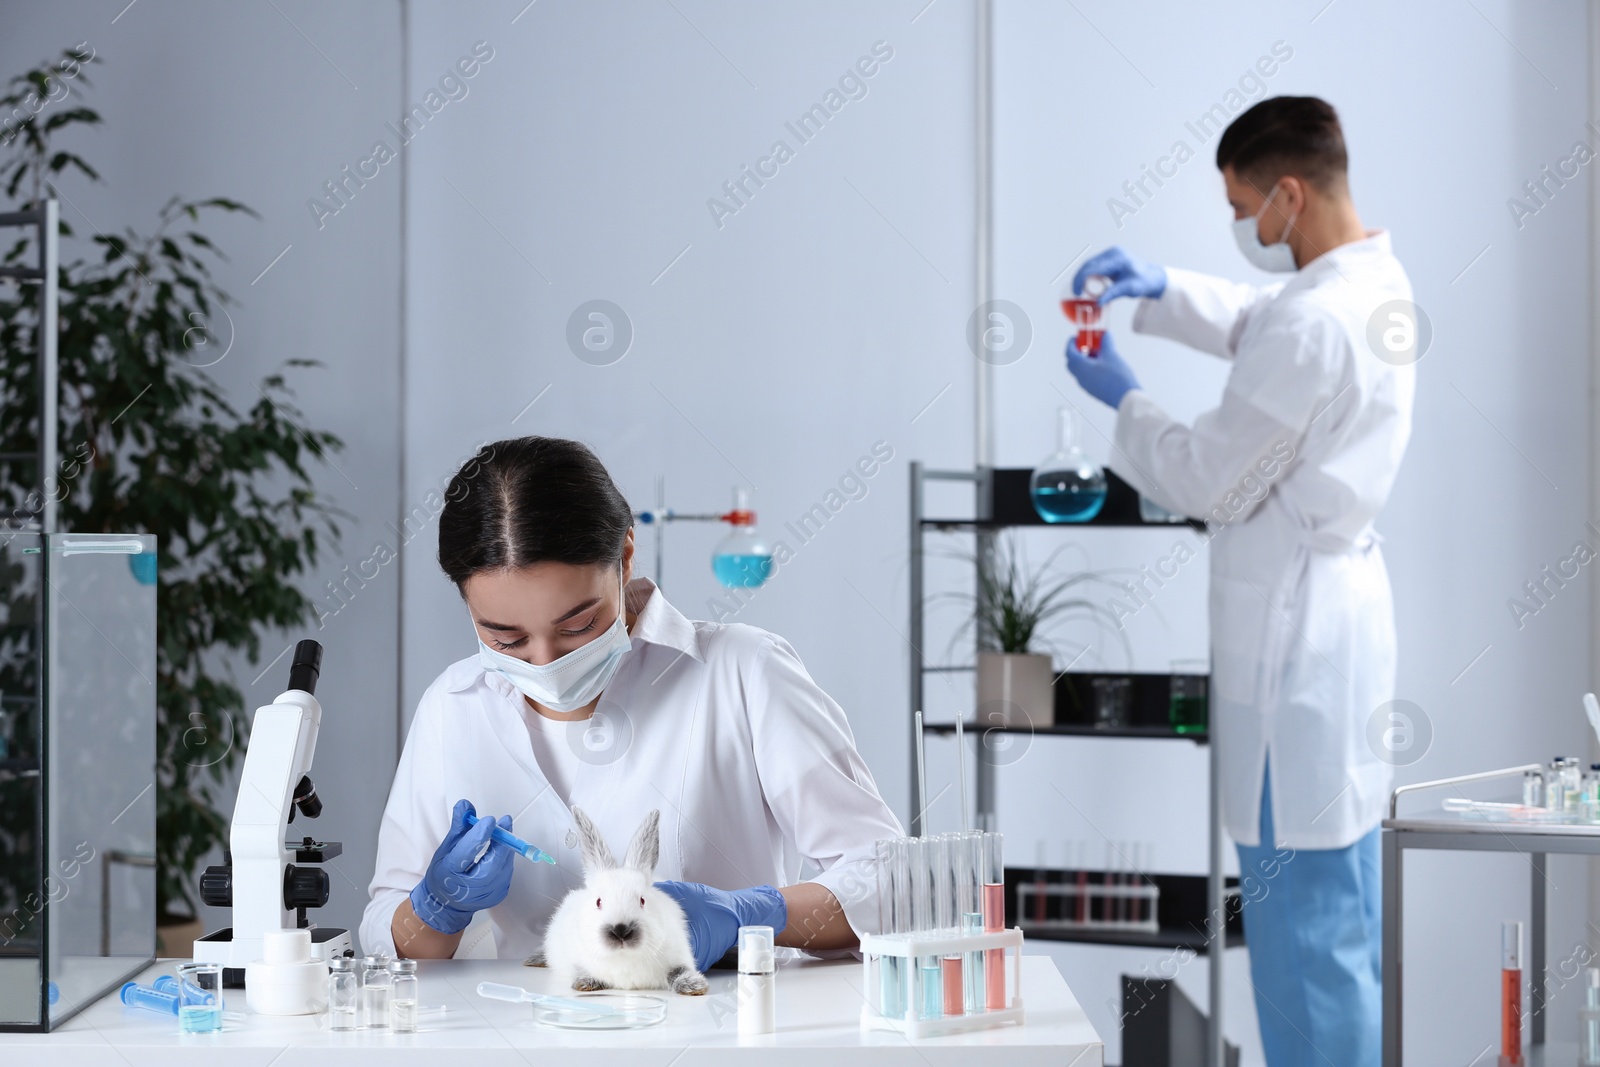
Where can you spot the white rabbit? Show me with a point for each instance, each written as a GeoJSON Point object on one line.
{"type": "Point", "coordinates": [617, 930]}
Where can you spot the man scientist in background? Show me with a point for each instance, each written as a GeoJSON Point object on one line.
{"type": "Point", "coordinates": [1293, 465]}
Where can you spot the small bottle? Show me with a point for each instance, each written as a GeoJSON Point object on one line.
{"type": "Point", "coordinates": [1572, 782]}
{"type": "Point", "coordinates": [403, 998]}
{"type": "Point", "coordinates": [342, 993]}
{"type": "Point", "coordinates": [1533, 789]}
{"type": "Point", "coordinates": [1511, 994]}
{"type": "Point", "coordinates": [1555, 793]}
{"type": "Point", "coordinates": [1589, 1020]}
{"type": "Point", "coordinates": [758, 1012]}
{"type": "Point", "coordinates": [376, 986]}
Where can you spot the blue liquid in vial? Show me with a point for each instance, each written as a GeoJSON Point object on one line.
{"type": "Point", "coordinates": [199, 1018]}
{"type": "Point", "coordinates": [738, 571]}
{"type": "Point", "coordinates": [892, 996]}
{"type": "Point", "coordinates": [932, 989]}
{"type": "Point", "coordinates": [1066, 500]}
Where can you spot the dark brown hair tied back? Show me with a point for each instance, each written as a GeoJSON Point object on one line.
{"type": "Point", "coordinates": [531, 500]}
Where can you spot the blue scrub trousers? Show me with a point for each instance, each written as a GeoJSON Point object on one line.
{"type": "Point", "coordinates": [1313, 922]}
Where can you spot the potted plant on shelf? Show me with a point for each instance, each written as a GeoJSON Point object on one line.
{"type": "Point", "coordinates": [157, 447]}
{"type": "Point", "coordinates": [1016, 675]}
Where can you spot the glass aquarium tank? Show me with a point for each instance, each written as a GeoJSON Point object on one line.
{"type": "Point", "coordinates": [77, 770]}
{"type": "Point", "coordinates": [1067, 486]}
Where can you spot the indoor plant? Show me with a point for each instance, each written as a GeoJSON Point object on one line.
{"type": "Point", "coordinates": [1016, 675]}
{"type": "Point", "coordinates": [156, 447]}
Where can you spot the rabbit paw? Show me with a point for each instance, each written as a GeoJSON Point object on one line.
{"type": "Point", "coordinates": [535, 960]}
{"type": "Point", "coordinates": [584, 983]}
{"type": "Point", "coordinates": [687, 981]}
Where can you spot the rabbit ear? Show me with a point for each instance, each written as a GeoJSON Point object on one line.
{"type": "Point", "coordinates": [645, 848]}
{"type": "Point", "coordinates": [596, 856]}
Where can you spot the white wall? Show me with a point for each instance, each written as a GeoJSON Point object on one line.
{"type": "Point", "coordinates": [777, 350]}
{"type": "Point", "coordinates": [1447, 112]}
{"type": "Point", "coordinates": [230, 100]}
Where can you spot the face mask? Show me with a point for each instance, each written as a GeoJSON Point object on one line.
{"type": "Point", "coordinates": [1277, 258]}
{"type": "Point", "coordinates": [570, 682]}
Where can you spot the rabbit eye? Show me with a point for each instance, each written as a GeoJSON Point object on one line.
{"type": "Point", "coordinates": [597, 902]}
{"type": "Point", "coordinates": [641, 902]}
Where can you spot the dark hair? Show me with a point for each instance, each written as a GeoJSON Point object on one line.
{"type": "Point", "coordinates": [531, 500]}
{"type": "Point", "coordinates": [1286, 135]}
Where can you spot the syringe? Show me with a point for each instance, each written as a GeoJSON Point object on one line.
{"type": "Point", "coordinates": [515, 843]}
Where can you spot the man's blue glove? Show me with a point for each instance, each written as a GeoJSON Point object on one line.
{"type": "Point", "coordinates": [715, 915]}
{"type": "Point", "coordinates": [458, 883]}
{"type": "Point", "coordinates": [1129, 276]}
{"type": "Point", "coordinates": [1107, 376]}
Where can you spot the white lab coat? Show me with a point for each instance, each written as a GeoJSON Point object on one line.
{"type": "Point", "coordinates": [752, 765]}
{"type": "Point", "coordinates": [1290, 470]}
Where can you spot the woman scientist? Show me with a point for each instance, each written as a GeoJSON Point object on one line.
{"type": "Point", "coordinates": [590, 690]}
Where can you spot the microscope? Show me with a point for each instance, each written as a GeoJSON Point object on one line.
{"type": "Point", "coordinates": [267, 881]}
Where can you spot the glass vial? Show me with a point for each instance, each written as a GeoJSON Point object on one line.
{"type": "Point", "coordinates": [342, 988]}
{"type": "Point", "coordinates": [924, 924]}
{"type": "Point", "coordinates": [946, 903]}
{"type": "Point", "coordinates": [1589, 1020]}
{"type": "Point", "coordinates": [1533, 789]}
{"type": "Point", "coordinates": [894, 904]}
{"type": "Point", "coordinates": [403, 996]}
{"type": "Point", "coordinates": [376, 986]}
{"type": "Point", "coordinates": [994, 920]}
{"type": "Point", "coordinates": [1511, 994]}
{"type": "Point", "coordinates": [969, 909]}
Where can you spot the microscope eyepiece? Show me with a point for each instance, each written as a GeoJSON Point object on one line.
{"type": "Point", "coordinates": [306, 667]}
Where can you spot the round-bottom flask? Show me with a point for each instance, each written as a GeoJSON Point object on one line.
{"type": "Point", "coordinates": [1068, 486]}
{"type": "Point", "coordinates": [743, 559]}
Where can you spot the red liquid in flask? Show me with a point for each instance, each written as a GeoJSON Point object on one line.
{"type": "Point", "coordinates": [1085, 315]}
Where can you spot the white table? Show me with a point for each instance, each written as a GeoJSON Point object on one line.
{"type": "Point", "coordinates": [819, 1008]}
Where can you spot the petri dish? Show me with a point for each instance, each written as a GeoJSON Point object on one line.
{"type": "Point", "coordinates": [616, 1011]}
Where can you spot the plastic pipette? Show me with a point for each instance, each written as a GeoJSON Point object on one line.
{"type": "Point", "coordinates": [515, 844]}
{"type": "Point", "coordinates": [517, 995]}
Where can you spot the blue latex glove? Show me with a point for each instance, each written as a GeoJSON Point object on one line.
{"type": "Point", "coordinates": [1129, 276]}
{"type": "Point", "coordinates": [1107, 376]}
{"type": "Point", "coordinates": [715, 915]}
{"type": "Point", "coordinates": [458, 883]}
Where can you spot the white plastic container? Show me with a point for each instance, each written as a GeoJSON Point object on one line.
{"type": "Point", "coordinates": [286, 980]}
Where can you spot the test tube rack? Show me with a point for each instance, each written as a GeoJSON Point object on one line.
{"type": "Point", "coordinates": [912, 946]}
{"type": "Point", "coordinates": [1094, 905]}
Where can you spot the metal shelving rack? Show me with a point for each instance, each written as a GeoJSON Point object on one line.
{"type": "Point", "coordinates": [1000, 505]}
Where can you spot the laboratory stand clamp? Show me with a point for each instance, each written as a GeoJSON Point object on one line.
{"type": "Point", "coordinates": [270, 883]}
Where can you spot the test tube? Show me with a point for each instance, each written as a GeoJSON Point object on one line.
{"type": "Point", "coordinates": [924, 924]}
{"type": "Point", "coordinates": [969, 893]}
{"type": "Point", "coordinates": [994, 920]}
{"type": "Point", "coordinates": [947, 903]}
{"type": "Point", "coordinates": [891, 861]}
{"type": "Point", "coordinates": [1040, 893]}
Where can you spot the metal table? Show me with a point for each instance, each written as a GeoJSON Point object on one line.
{"type": "Point", "coordinates": [1445, 830]}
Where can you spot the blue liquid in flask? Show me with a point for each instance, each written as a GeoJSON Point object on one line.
{"type": "Point", "coordinates": [741, 571]}
{"type": "Point", "coordinates": [1064, 496]}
